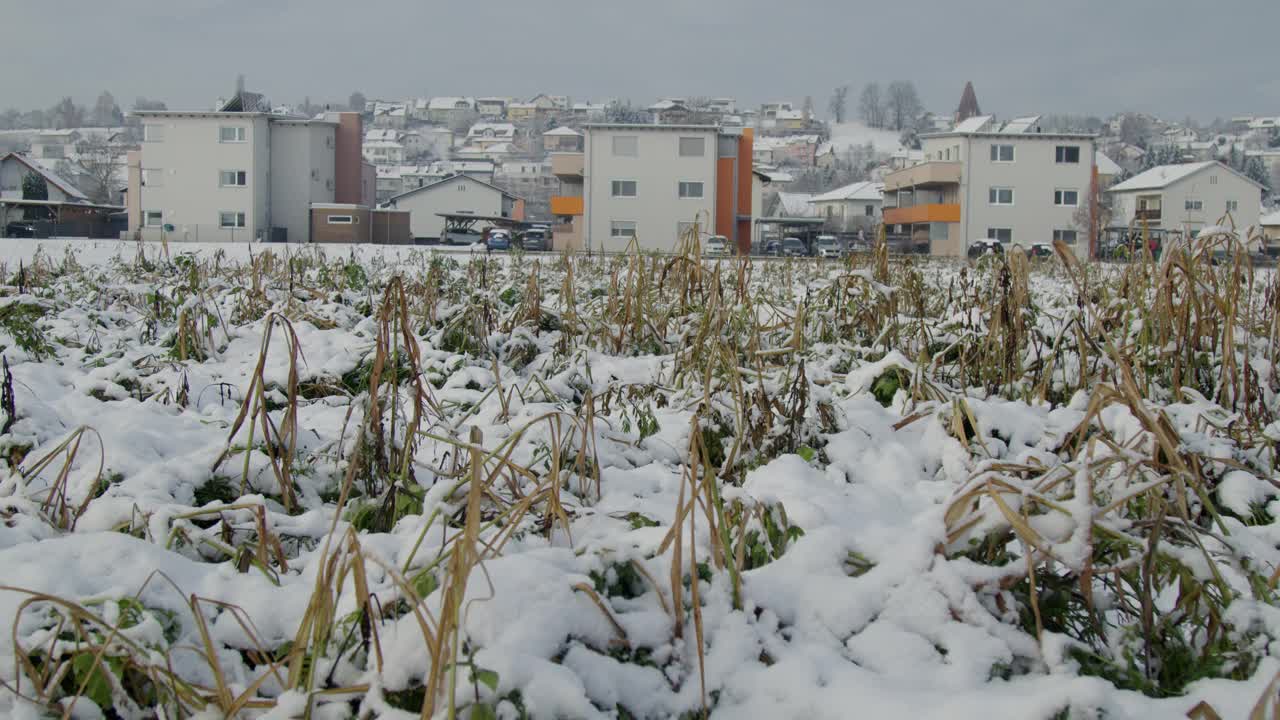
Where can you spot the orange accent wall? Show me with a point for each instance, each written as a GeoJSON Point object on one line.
{"type": "Point", "coordinates": [746, 145]}
{"type": "Point", "coordinates": [566, 205]}
{"type": "Point", "coordinates": [941, 212]}
{"type": "Point", "coordinates": [348, 158]}
{"type": "Point", "coordinates": [724, 197]}
{"type": "Point", "coordinates": [734, 199]}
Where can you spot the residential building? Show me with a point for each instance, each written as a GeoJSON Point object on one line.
{"type": "Point", "coordinates": [1187, 197]}
{"type": "Point", "coordinates": [14, 168]}
{"type": "Point", "coordinates": [653, 182]}
{"type": "Point", "coordinates": [66, 207]}
{"type": "Point", "coordinates": [457, 194]}
{"type": "Point", "coordinates": [492, 108]}
{"type": "Point", "coordinates": [562, 139]}
{"type": "Point", "coordinates": [384, 152]}
{"type": "Point", "coordinates": [1108, 171]}
{"type": "Point", "coordinates": [518, 112]}
{"type": "Point", "coordinates": [798, 150]}
{"type": "Point", "coordinates": [1270, 224]}
{"type": "Point", "coordinates": [588, 112]}
{"type": "Point", "coordinates": [54, 145]}
{"type": "Point", "coordinates": [420, 110]}
{"type": "Point", "coordinates": [565, 148]}
{"type": "Point", "coordinates": [791, 120]}
{"type": "Point", "coordinates": [390, 114]}
{"type": "Point", "coordinates": [483, 134]}
{"type": "Point", "coordinates": [450, 110]}
{"type": "Point", "coordinates": [669, 111]}
{"type": "Point", "coordinates": [850, 208]}
{"type": "Point", "coordinates": [1010, 182]}
{"type": "Point", "coordinates": [243, 175]}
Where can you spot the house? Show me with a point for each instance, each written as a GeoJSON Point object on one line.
{"type": "Point", "coordinates": [853, 207]}
{"type": "Point", "coordinates": [526, 178]}
{"type": "Point", "coordinates": [722, 106]}
{"type": "Point", "coordinates": [493, 108]}
{"type": "Point", "coordinates": [795, 205]}
{"type": "Point", "coordinates": [1108, 171]}
{"type": "Point", "coordinates": [393, 115]}
{"type": "Point", "coordinates": [1270, 224]}
{"type": "Point", "coordinates": [652, 182]}
{"type": "Point", "coordinates": [457, 194]}
{"type": "Point", "coordinates": [588, 112]}
{"type": "Point", "coordinates": [787, 150]}
{"type": "Point", "coordinates": [537, 105]}
{"type": "Point", "coordinates": [390, 181]}
{"type": "Point", "coordinates": [1010, 182]}
{"type": "Point", "coordinates": [495, 152]}
{"type": "Point", "coordinates": [384, 152]}
{"type": "Point", "coordinates": [14, 167]}
{"type": "Point", "coordinates": [521, 112]}
{"type": "Point", "coordinates": [790, 120]}
{"type": "Point", "coordinates": [419, 111]}
{"type": "Point", "coordinates": [241, 175]}
{"type": "Point", "coordinates": [484, 134]}
{"type": "Point", "coordinates": [669, 110]}
{"type": "Point", "coordinates": [562, 139]}
{"type": "Point", "coordinates": [1188, 197]}
{"type": "Point", "coordinates": [65, 205]}
{"type": "Point", "coordinates": [449, 110]}
{"type": "Point", "coordinates": [55, 145]}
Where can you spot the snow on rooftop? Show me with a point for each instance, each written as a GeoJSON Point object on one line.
{"type": "Point", "coordinates": [864, 190]}
{"type": "Point", "coordinates": [973, 124]}
{"type": "Point", "coordinates": [796, 205]}
{"type": "Point", "coordinates": [1106, 166]}
{"type": "Point", "coordinates": [563, 131]}
{"type": "Point", "coordinates": [848, 134]}
{"type": "Point", "coordinates": [1021, 125]}
{"type": "Point", "coordinates": [1161, 176]}
{"type": "Point", "coordinates": [1271, 219]}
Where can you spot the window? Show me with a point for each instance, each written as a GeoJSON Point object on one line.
{"type": "Point", "coordinates": [869, 210]}
{"type": "Point", "coordinates": [1233, 205]}
{"type": "Point", "coordinates": [624, 188]}
{"type": "Point", "coordinates": [1000, 196]}
{"type": "Point", "coordinates": [1002, 153]}
{"type": "Point", "coordinates": [1194, 205]}
{"type": "Point", "coordinates": [231, 134]}
{"type": "Point", "coordinates": [462, 187]}
{"type": "Point", "coordinates": [625, 146]}
{"type": "Point", "coordinates": [1066, 236]}
{"type": "Point", "coordinates": [622, 229]}
{"type": "Point", "coordinates": [1067, 154]}
{"type": "Point", "coordinates": [228, 219]}
{"type": "Point", "coordinates": [1213, 179]}
{"type": "Point", "coordinates": [153, 218]}
{"type": "Point", "coordinates": [693, 147]}
{"type": "Point", "coordinates": [233, 178]}
{"type": "Point", "coordinates": [153, 177]}
{"type": "Point", "coordinates": [343, 220]}
{"type": "Point", "coordinates": [1067, 198]}
{"type": "Point", "coordinates": [1004, 235]}
{"type": "Point", "coordinates": [691, 190]}
{"type": "Point", "coordinates": [152, 132]}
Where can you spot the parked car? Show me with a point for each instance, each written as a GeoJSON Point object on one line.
{"type": "Point", "coordinates": [829, 247]}
{"type": "Point", "coordinates": [716, 246]}
{"type": "Point", "coordinates": [20, 230]}
{"type": "Point", "coordinates": [794, 247]}
{"type": "Point", "coordinates": [536, 238]}
{"type": "Point", "coordinates": [772, 248]}
{"type": "Point", "coordinates": [497, 239]}
{"type": "Point", "coordinates": [979, 248]}
{"type": "Point", "coordinates": [1040, 251]}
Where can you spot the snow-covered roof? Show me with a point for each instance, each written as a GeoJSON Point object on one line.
{"type": "Point", "coordinates": [378, 135]}
{"type": "Point", "coordinates": [973, 124]}
{"type": "Point", "coordinates": [790, 115]}
{"type": "Point", "coordinates": [1270, 219]}
{"type": "Point", "coordinates": [864, 190]}
{"type": "Point", "coordinates": [1162, 176]}
{"type": "Point", "coordinates": [449, 103]}
{"type": "Point", "coordinates": [1106, 166]}
{"type": "Point", "coordinates": [667, 104]}
{"type": "Point", "coordinates": [390, 172]}
{"type": "Point", "coordinates": [1020, 125]}
{"type": "Point", "coordinates": [563, 131]}
{"type": "Point", "coordinates": [796, 205]}
{"type": "Point", "coordinates": [383, 144]}
{"type": "Point", "coordinates": [490, 129]}
{"type": "Point", "coordinates": [51, 177]}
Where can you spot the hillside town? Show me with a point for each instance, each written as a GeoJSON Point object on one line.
{"type": "Point", "coordinates": [599, 174]}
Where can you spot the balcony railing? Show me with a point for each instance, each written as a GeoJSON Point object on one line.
{"type": "Point", "coordinates": [924, 174]}
{"type": "Point", "coordinates": [931, 212]}
{"type": "Point", "coordinates": [566, 205]}
{"type": "Point", "coordinates": [566, 164]}
{"type": "Point", "coordinates": [1148, 214]}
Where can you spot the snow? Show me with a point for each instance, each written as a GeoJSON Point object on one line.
{"type": "Point", "coordinates": [1161, 177]}
{"type": "Point", "coordinates": [863, 190]}
{"type": "Point", "coordinates": [1106, 166]}
{"type": "Point", "coordinates": [850, 134]}
{"type": "Point", "coordinates": [1271, 219]}
{"type": "Point", "coordinates": [973, 124]}
{"type": "Point", "coordinates": [796, 205]}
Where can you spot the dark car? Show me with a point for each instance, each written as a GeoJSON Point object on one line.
{"type": "Point", "coordinates": [980, 248]}
{"type": "Point", "coordinates": [20, 230]}
{"type": "Point", "coordinates": [772, 248]}
{"type": "Point", "coordinates": [1040, 251]}
{"type": "Point", "coordinates": [536, 239]}
{"type": "Point", "coordinates": [794, 247]}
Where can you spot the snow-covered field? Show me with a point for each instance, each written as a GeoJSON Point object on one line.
{"type": "Point", "coordinates": [849, 134]}
{"type": "Point", "coordinates": [387, 482]}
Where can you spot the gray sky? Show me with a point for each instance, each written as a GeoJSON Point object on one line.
{"type": "Point", "coordinates": [1080, 56]}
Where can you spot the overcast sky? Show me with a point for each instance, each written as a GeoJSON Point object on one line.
{"type": "Point", "coordinates": [1170, 57]}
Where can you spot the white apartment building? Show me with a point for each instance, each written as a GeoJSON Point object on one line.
{"type": "Point", "coordinates": [232, 176]}
{"type": "Point", "coordinates": [1008, 182]}
{"type": "Point", "coordinates": [1187, 197]}
{"type": "Point", "coordinates": [653, 181]}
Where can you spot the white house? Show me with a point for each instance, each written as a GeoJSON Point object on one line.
{"type": "Point", "coordinates": [384, 152]}
{"type": "Point", "coordinates": [446, 110]}
{"type": "Point", "coordinates": [1187, 197]}
{"type": "Point", "coordinates": [483, 134]}
{"type": "Point", "coordinates": [852, 207]}
{"type": "Point", "coordinates": [15, 167]}
{"type": "Point", "coordinates": [458, 194]}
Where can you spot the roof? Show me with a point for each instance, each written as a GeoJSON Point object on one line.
{"type": "Point", "coordinates": [1270, 219]}
{"type": "Point", "coordinates": [383, 143]}
{"type": "Point", "coordinates": [49, 176]}
{"type": "Point", "coordinates": [649, 126]}
{"type": "Point", "coordinates": [1020, 125]}
{"type": "Point", "coordinates": [789, 115]}
{"type": "Point", "coordinates": [795, 205]}
{"type": "Point", "coordinates": [374, 135]}
{"type": "Point", "coordinates": [498, 129]}
{"type": "Point", "coordinates": [563, 130]}
{"type": "Point", "coordinates": [449, 179]}
{"type": "Point", "coordinates": [1025, 127]}
{"type": "Point", "coordinates": [448, 103]}
{"type": "Point", "coordinates": [973, 124]}
{"type": "Point", "coordinates": [864, 190]}
{"type": "Point", "coordinates": [1165, 175]}
{"type": "Point", "coordinates": [1106, 166]}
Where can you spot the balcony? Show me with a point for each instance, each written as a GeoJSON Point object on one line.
{"type": "Point", "coordinates": [930, 174]}
{"type": "Point", "coordinates": [1147, 214]}
{"type": "Point", "coordinates": [931, 212]}
{"type": "Point", "coordinates": [566, 205]}
{"type": "Point", "coordinates": [566, 164]}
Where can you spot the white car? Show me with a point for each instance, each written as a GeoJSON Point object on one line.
{"type": "Point", "coordinates": [716, 246]}
{"type": "Point", "coordinates": [828, 246]}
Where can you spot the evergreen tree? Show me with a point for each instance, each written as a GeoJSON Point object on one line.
{"type": "Point", "coordinates": [1257, 172]}
{"type": "Point", "coordinates": [34, 187]}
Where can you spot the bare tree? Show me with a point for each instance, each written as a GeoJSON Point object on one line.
{"type": "Point", "coordinates": [839, 103]}
{"type": "Point", "coordinates": [808, 108]}
{"type": "Point", "coordinates": [105, 111]}
{"type": "Point", "coordinates": [871, 105]}
{"type": "Point", "coordinates": [100, 163]}
{"type": "Point", "coordinates": [1134, 129]}
{"type": "Point", "coordinates": [67, 114]}
{"type": "Point", "coordinates": [903, 103]}
{"type": "Point", "coordinates": [357, 102]}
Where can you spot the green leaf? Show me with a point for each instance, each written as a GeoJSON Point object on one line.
{"type": "Point", "coordinates": [483, 711]}
{"type": "Point", "coordinates": [425, 584]}
{"type": "Point", "coordinates": [488, 677]}
{"type": "Point", "coordinates": [807, 453]}
{"type": "Point", "coordinates": [98, 688]}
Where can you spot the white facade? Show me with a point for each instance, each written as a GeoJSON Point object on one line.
{"type": "Point", "coordinates": [233, 176]}
{"type": "Point", "coordinates": [457, 194]}
{"type": "Point", "coordinates": [1187, 197]}
{"type": "Point", "coordinates": [634, 177]}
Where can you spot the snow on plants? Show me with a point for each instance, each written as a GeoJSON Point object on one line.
{"type": "Point", "coordinates": [339, 482]}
